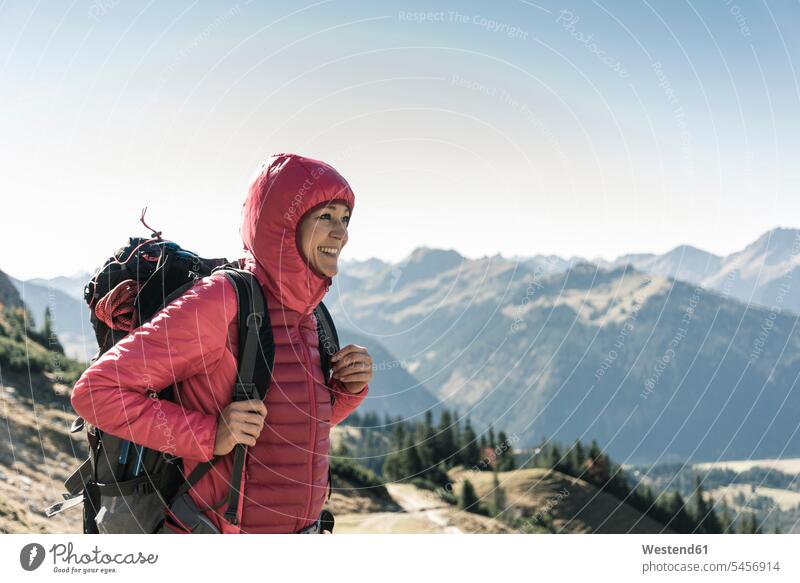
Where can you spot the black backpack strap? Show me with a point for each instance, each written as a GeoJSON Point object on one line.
{"type": "Point", "coordinates": [328, 338]}
{"type": "Point", "coordinates": [256, 359]}
{"type": "Point", "coordinates": [78, 479]}
{"type": "Point", "coordinates": [198, 472]}
{"type": "Point", "coordinates": [328, 346]}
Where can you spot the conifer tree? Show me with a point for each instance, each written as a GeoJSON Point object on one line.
{"type": "Point", "coordinates": [392, 466]}
{"type": "Point", "coordinates": [679, 518]}
{"type": "Point", "coordinates": [412, 464]}
{"type": "Point", "coordinates": [29, 322]}
{"type": "Point", "coordinates": [755, 526]}
{"type": "Point", "coordinates": [498, 497]}
{"type": "Point", "coordinates": [575, 458]}
{"type": "Point", "coordinates": [594, 450]}
{"type": "Point", "coordinates": [457, 433]}
{"type": "Point", "coordinates": [540, 455]}
{"type": "Point", "coordinates": [399, 435]}
{"type": "Point", "coordinates": [428, 422]}
{"type": "Point", "coordinates": [711, 524]}
{"type": "Point", "coordinates": [505, 454]}
{"type": "Point", "coordinates": [49, 333]}
{"type": "Point", "coordinates": [468, 499]}
{"type": "Point", "coordinates": [725, 519]}
{"type": "Point", "coordinates": [445, 444]}
{"type": "Point", "coordinates": [554, 457]}
{"type": "Point", "coordinates": [470, 451]}
{"type": "Point", "coordinates": [702, 511]}
{"type": "Point", "coordinates": [426, 441]}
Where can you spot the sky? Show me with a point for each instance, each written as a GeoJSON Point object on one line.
{"type": "Point", "coordinates": [571, 128]}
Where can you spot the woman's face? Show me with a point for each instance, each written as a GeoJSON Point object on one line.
{"type": "Point", "coordinates": [323, 234]}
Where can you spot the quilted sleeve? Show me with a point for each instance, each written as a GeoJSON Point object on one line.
{"type": "Point", "coordinates": [186, 338]}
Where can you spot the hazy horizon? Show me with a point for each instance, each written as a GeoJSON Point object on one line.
{"type": "Point", "coordinates": [345, 259]}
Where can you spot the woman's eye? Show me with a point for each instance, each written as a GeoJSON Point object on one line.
{"type": "Point", "coordinates": [327, 217]}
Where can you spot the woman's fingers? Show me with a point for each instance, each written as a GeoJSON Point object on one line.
{"type": "Point", "coordinates": [349, 375]}
{"type": "Point", "coordinates": [240, 422]}
{"type": "Point", "coordinates": [254, 405]}
{"type": "Point", "coordinates": [352, 365]}
{"type": "Point", "coordinates": [248, 418]}
{"type": "Point", "coordinates": [356, 376]}
{"type": "Point", "coordinates": [247, 429]}
{"type": "Point", "coordinates": [356, 367]}
{"type": "Point", "coordinates": [247, 440]}
{"type": "Point", "coordinates": [363, 363]}
{"type": "Point", "coordinates": [347, 350]}
{"type": "Point", "coordinates": [359, 360]}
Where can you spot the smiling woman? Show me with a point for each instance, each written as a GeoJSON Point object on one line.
{"type": "Point", "coordinates": [294, 225]}
{"type": "Point", "coordinates": [322, 234]}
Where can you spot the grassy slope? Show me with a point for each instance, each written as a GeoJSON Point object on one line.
{"type": "Point", "coordinates": [36, 455]}
{"type": "Point", "coordinates": [582, 510]}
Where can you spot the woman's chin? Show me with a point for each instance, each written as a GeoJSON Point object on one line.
{"type": "Point", "coordinates": [329, 268]}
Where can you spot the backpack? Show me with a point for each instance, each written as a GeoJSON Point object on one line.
{"type": "Point", "coordinates": [128, 488]}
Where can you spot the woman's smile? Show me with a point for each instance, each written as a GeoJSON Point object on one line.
{"type": "Point", "coordinates": [329, 251]}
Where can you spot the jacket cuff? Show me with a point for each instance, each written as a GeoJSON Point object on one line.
{"type": "Point", "coordinates": [341, 392]}
{"type": "Point", "coordinates": [205, 438]}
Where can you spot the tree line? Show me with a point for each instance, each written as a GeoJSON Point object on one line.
{"type": "Point", "coordinates": [422, 452]}
{"type": "Point", "coordinates": [697, 515]}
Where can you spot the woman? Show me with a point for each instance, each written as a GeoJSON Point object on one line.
{"type": "Point", "coordinates": [294, 226]}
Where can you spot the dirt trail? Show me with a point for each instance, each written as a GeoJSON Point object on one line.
{"type": "Point", "coordinates": [412, 500]}
{"type": "Point", "coordinates": [422, 512]}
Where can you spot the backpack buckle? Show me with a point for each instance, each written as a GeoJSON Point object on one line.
{"type": "Point", "coordinates": [257, 317]}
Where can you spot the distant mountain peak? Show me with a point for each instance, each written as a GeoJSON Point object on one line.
{"type": "Point", "coordinates": [423, 263]}
{"type": "Point", "coordinates": [689, 251]}
{"type": "Point", "coordinates": [363, 269]}
{"type": "Point", "coordinates": [780, 243]}
{"type": "Point", "coordinates": [431, 255]}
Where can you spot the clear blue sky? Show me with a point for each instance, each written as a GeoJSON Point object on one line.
{"type": "Point", "coordinates": [584, 128]}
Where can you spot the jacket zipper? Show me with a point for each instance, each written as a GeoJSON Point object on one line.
{"type": "Point", "coordinates": [313, 401]}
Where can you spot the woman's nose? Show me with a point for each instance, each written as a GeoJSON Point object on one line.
{"type": "Point", "coordinates": [339, 229]}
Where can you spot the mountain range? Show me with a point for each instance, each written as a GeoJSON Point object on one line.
{"type": "Point", "coordinates": [758, 274]}
{"type": "Point", "coordinates": [684, 355]}
{"type": "Point", "coordinates": [654, 368]}
{"type": "Point", "coordinates": [762, 273]}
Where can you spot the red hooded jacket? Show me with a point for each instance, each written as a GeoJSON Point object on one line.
{"type": "Point", "coordinates": [193, 340]}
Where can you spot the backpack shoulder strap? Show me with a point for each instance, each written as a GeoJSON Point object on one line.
{"type": "Point", "coordinates": [328, 346]}
{"type": "Point", "coordinates": [256, 359]}
{"type": "Point", "coordinates": [256, 343]}
{"type": "Point", "coordinates": [328, 338]}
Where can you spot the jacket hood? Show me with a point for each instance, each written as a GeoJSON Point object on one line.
{"type": "Point", "coordinates": [287, 187]}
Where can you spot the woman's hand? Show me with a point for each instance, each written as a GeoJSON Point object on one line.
{"type": "Point", "coordinates": [352, 366]}
{"type": "Point", "coordinates": [240, 422]}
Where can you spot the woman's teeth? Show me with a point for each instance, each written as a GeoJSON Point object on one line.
{"type": "Point", "coordinates": [328, 250]}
